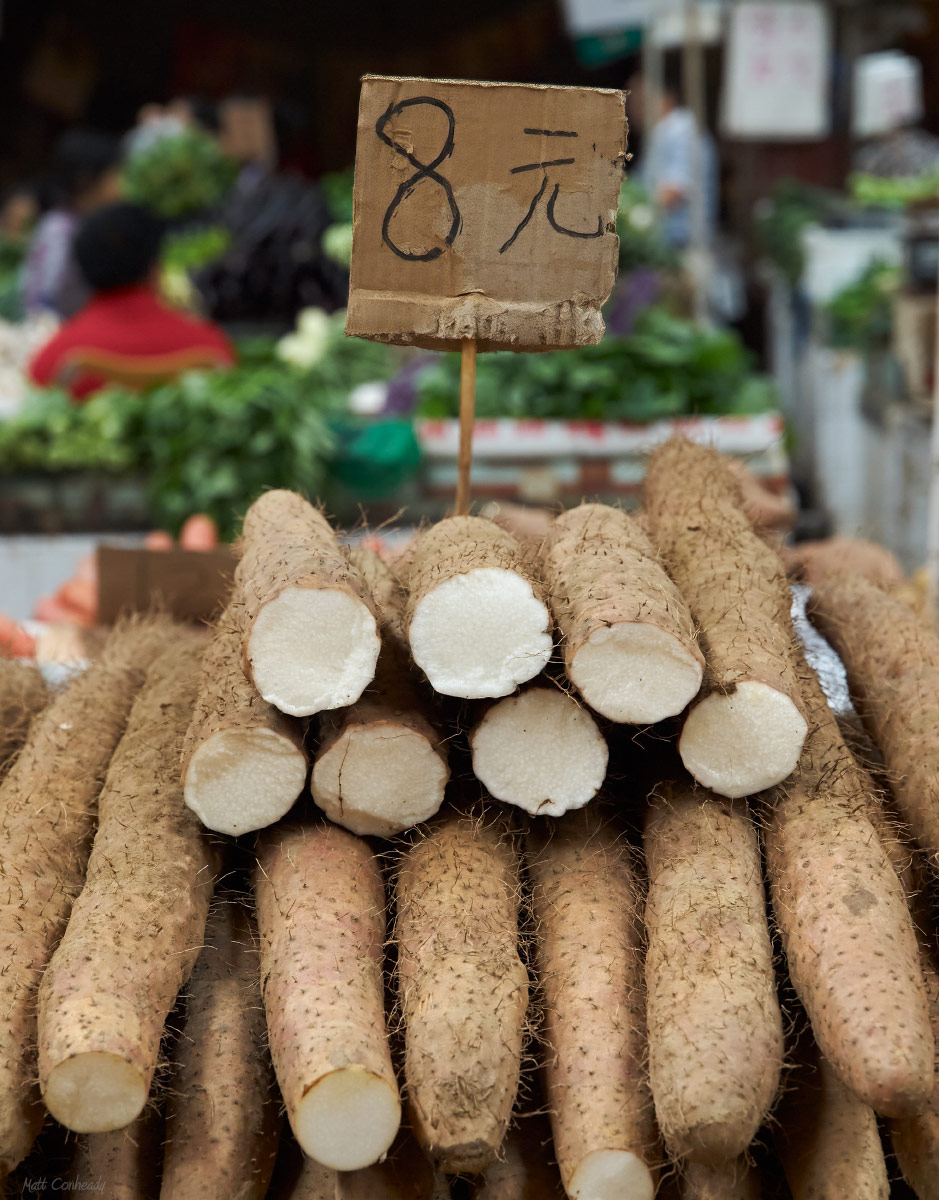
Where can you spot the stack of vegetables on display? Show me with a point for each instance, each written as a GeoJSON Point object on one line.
{"type": "Point", "coordinates": [504, 868]}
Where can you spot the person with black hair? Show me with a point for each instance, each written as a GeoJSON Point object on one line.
{"type": "Point", "coordinates": [84, 177]}
{"type": "Point", "coordinates": [125, 334]}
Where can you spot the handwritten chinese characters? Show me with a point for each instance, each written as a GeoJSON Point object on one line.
{"type": "Point", "coordinates": [484, 211]}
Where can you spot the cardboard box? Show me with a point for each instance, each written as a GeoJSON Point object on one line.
{"type": "Point", "coordinates": [190, 585]}
{"type": "Point", "coordinates": [484, 211]}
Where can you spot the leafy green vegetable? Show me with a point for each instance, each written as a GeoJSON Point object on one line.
{"type": "Point", "coordinates": [860, 316]}
{"type": "Point", "coordinates": [179, 175]}
{"type": "Point", "coordinates": [894, 192]}
{"type": "Point", "coordinates": [195, 248]}
{"type": "Point", "coordinates": [668, 367]}
{"type": "Point", "coordinates": [337, 187]}
{"type": "Point", "coordinates": [781, 220]}
{"type": "Point", "coordinates": [638, 227]}
{"type": "Point", "coordinates": [207, 442]}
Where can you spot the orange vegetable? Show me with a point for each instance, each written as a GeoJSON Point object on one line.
{"type": "Point", "coordinates": [15, 642]}
{"type": "Point", "coordinates": [199, 533]}
{"type": "Point", "coordinates": [158, 539]}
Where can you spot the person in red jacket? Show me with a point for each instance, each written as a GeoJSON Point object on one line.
{"type": "Point", "coordinates": [125, 334]}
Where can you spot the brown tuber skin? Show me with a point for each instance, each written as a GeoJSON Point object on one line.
{"type": "Point", "coordinates": [463, 989]}
{"type": "Point", "coordinates": [292, 655]}
{"type": "Point", "coordinates": [382, 765]}
{"type": "Point", "coordinates": [715, 1029]}
{"type": "Point", "coordinates": [524, 1169]}
{"type": "Point", "coordinates": [589, 961]}
{"type": "Point", "coordinates": [845, 926]}
{"type": "Point", "coordinates": [124, 1164]}
{"type": "Point", "coordinates": [23, 693]}
{"type": "Point", "coordinates": [230, 716]}
{"type": "Point", "coordinates": [321, 917]}
{"type": "Point", "coordinates": [605, 583]}
{"type": "Point", "coordinates": [745, 731]}
{"type": "Point", "coordinates": [222, 1125]}
{"type": "Point", "coordinates": [731, 1180]}
{"type": "Point", "coordinates": [892, 662]}
{"type": "Point", "coordinates": [47, 815]}
{"type": "Point", "coordinates": [916, 1139]}
{"type": "Point", "coordinates": [828, 1141]}
{"type": "Point", "coordinates": [136, 928]}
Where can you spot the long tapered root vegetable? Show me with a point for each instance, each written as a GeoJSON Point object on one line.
{"type": "Point", "coordinates": [628, 638]}
{"type": "Point", "coordinates": [222, 1124]}
{"type": "Point", "coordinates": [321, 917]}
{"type": "Point", "coordinates": [243, 761]}
{"type": "Point", "coordinates": [731, 1180]}
{"type": "Point", "coordinates": [845, 926]}
{"type": "Point", "coordinates": [892, 661]}
{"type": "Point", "coordinates": [135, 930]}
{"type": "Point", "coordinates": [22, 694]}
{"type": "Point", "coordinates": [47, 813]}
{"type": "Point", "coordinates": [312, 639]}
{"type": "Point", "coordinates": [477, 622]}
{"type": "Point", "coordinates": [589, 961]}
{"type": "Point", "coordinates": [541, 751]}
{"type": "Point", "coordinates": [463, 989]}
{"type": "Point", "coordinates": [715, 1029]}
{"type": "Point", "coordinates": [828, 1141]}
{"type": "Point", "coordinates": [916, 1138]}
{"type": "Point", "coordinates": [524, 1169]}
{"type": "Point", "coordinates": [405, 1174]}
{"type": "Point", "coordinates": [746, 731]}
{"type": "Point", "coordinates": [381, 765]}
{"type": "Point", "coordinates": [123, 1164]}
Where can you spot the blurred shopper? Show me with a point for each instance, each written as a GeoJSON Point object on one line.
{"type": "Point", "coordinates": [84, 178]}
{"type": "Point", "coordinates": [125, 334]}
{"type": "Point", "coordinates": [676, 159]}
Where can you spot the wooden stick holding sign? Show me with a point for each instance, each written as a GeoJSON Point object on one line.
{"type": "Point", "coordinates": [467, 421]}
{"type": "Point", "coordinates": [485, 219]}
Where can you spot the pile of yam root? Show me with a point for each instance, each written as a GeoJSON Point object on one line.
{"type": "Point", "coordinates": [504, 869]}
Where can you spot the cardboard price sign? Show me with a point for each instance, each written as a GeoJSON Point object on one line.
{"type": "Point", "coordinates": [484, 212]}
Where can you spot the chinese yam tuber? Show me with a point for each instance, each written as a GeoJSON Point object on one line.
{"type": "Point", "coordinates": [715, 1029]}
{"type": "Point", "coordinates": [22, 694]}
{"type": "Point", "coordinates": [381, 765]}
{"type": "Point", "coordinates": [463, 989]}
{"type": "Point", "coordinates": [222, 1124]}
{"type": "Point", "coordinates": [892, 662]}
{"type": "Point", "coordinates": [136, 928]}
{"type": "Point", "coordinates": [243, 761]}
{"type": "Point", "coordinates": [47, 815]}
{"type": "Point", "coordinates": [589, 961]}
{"type": "Point", "coordinates": [540, 750]}
{"type": "Point", "coordinates": [628, 638]}
{"type": "Point", "coordinates": [746, 731]}
{"type": "Point", "coordinates": [321, 917]}
{"type": "Point", "coordinates": [312, 639]}
{"type": "Point", "coordinates": [477, 622]}
{"type": "Point", "coordinates": [845, 925]}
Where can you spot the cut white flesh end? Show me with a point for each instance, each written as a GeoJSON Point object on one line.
{"type": "Point", "coordinates": [744, 742]}
{"type": "Point", "coordinates": [636, 673]}
{"type": "Point", "coordinates": [379, 779]}
{"type": "Point", "coordinates": [480, 634]}
{"type": "Point", "coordinates": [95, 1092]}
{"type": "Point", "coordinates": [348, 1119]}
{"type": "Point", "coordinates": [312, 649]}
{"type": "Point", "coordinates": [541, 751]}
{"type": "Point", "coordinates": [611, 1175]}
{"type": "Point", "coordinates": [244, 779]}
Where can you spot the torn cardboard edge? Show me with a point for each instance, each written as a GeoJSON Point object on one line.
{"type": "Point", "coordinates": [445, 324]}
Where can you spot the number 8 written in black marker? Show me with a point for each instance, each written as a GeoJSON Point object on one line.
{"type": "Point", "coordinates": [422, 171]}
